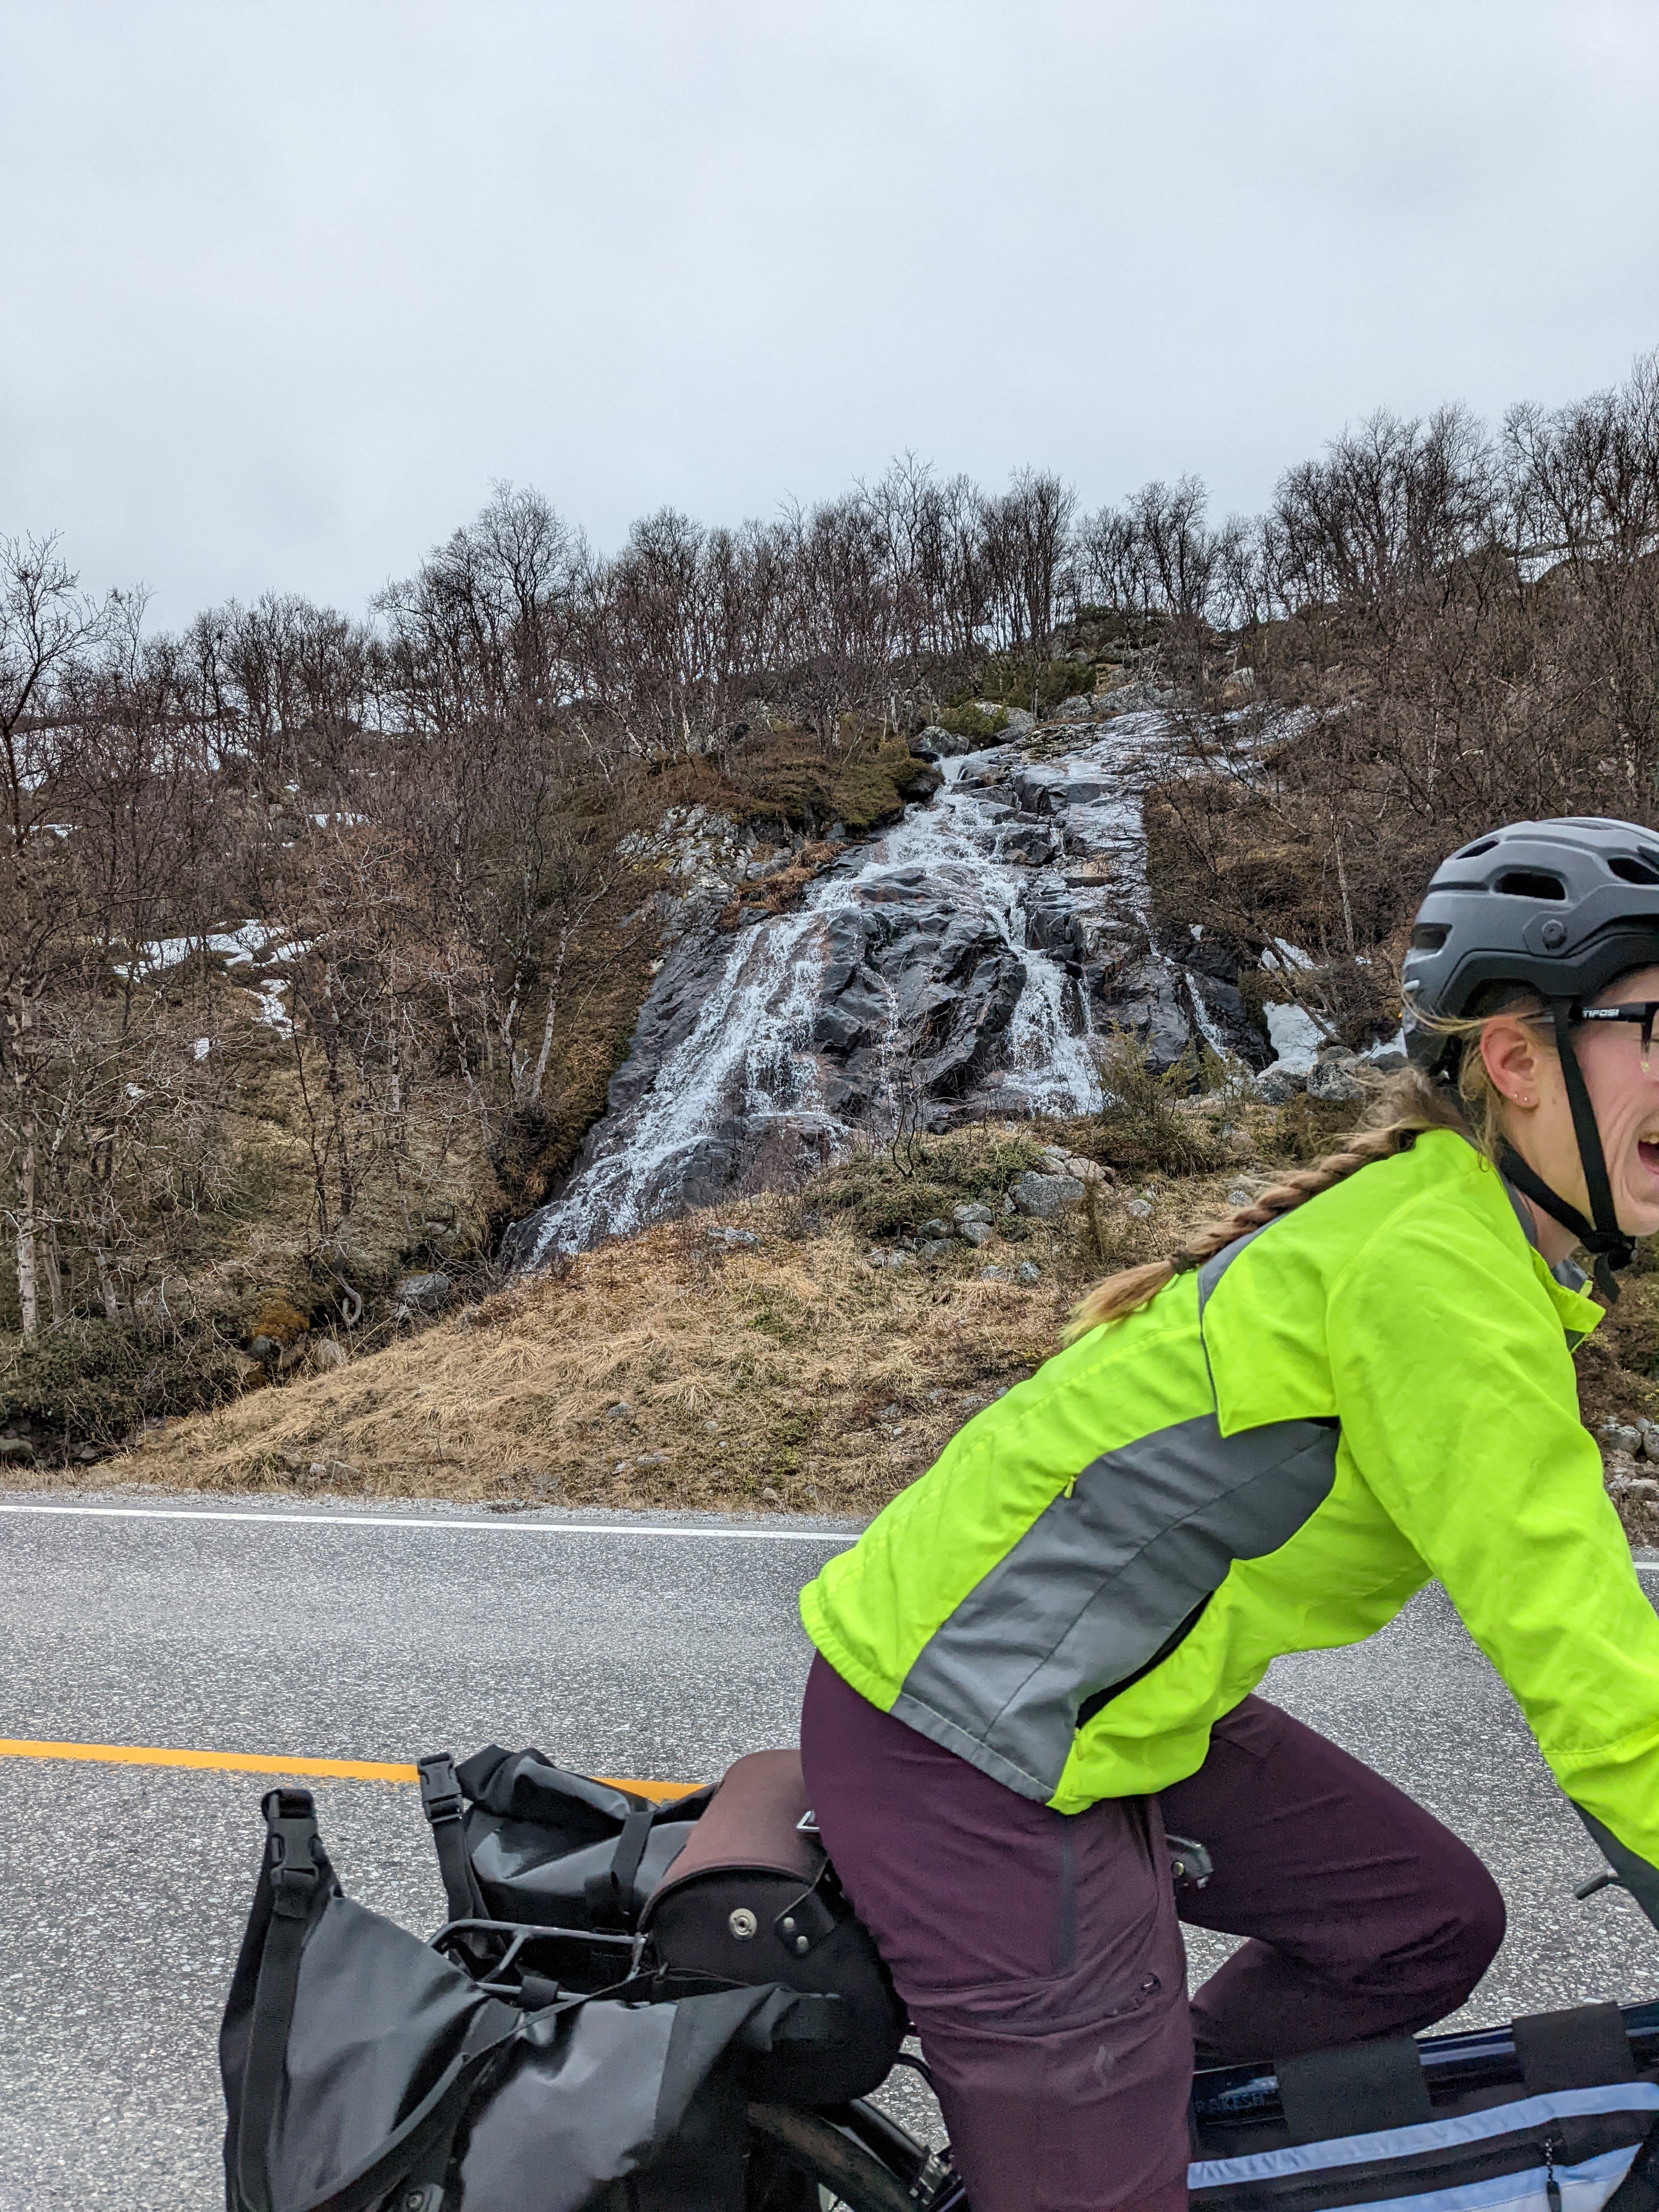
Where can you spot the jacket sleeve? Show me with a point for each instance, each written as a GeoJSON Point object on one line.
{"type": "Point", "coordinates": [1459, 1407]}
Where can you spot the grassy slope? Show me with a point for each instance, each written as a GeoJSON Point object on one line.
{"type": "Point", "coordinates": [674, 1370]}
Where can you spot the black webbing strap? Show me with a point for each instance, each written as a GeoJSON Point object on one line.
{"type": "Point", "coordinates": [1601, 1236]}
{"type": "Point", "coordinates": [1639, 2190]}
{"type": "Point", "coordinates": [1356, 2091]}
{"type": "Point", "coordinates": [611, 1898]}
{"type": "Point", "coordinates": [444, 1806]}
{"type": "Point", "coordinates": [1583, 2048]}
{"type": "Point", "coordinates": [297, 1894]}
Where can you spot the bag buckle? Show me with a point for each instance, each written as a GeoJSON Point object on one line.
{"type": "Point", "coordinates": [441, 1789]}
{"type": "Point", "coordinates": [291, 1833]}
{"type": "Point", "coordinates": [1188, 1861]}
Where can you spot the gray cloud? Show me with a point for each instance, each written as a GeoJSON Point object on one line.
{"type": "Point", "coordinates": [288, 285]}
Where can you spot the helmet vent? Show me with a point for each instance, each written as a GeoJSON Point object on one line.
{"type": "Point", "coordinates": [1530, 883]}
{"type": "Point", "coordinates": [1430, 936]}
{"type": "Point", "coordinates": [1634, 871]}
{"type": "Point", "coordinates": [1468, 852]}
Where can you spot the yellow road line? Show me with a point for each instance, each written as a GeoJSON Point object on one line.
{"type": "Point", "coordinates": [255, 1762]}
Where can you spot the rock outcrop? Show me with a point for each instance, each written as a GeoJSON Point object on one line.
{"type": "Point", "coordinates": [965, 962]}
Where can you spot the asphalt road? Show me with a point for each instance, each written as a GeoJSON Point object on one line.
{"type": "Point", "coordinates": [123, 1890]}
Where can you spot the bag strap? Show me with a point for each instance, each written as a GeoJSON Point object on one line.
{"type": "Point", "coordinates": [444, 1806]}
{"type": "Point", "coordinates": [1583, 2048]}
{"type": "Point", "coordinates": [298, 1895]}
{"type": "Point", "coordinates": [1353, 2091]}
{"type": "Point", "coordinates": [612, 1896]}
{"type": "Point", "coordinates": [419, 2148]}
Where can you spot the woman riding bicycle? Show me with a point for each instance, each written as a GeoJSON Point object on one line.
{"type": "Point", "coordinates": [1041, 1656]}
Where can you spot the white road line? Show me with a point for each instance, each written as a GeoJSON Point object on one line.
{"type": "Point", "coordinates": [501, 1528]}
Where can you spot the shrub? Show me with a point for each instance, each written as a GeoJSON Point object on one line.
{"type": "Point", "coordinates": [1018, 682]}
{"type": "Point", "coordinates": [969, 720]}
{"type": "Point", "coordinates": [1141, 1124]}
{"type": "Point", "coordinates": [95, 1381]}
{"type": "Point", "coordinates": [875, 1195]}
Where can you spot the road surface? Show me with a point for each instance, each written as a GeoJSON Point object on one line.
{"type": "Point", "coordinates": [614, 1645]}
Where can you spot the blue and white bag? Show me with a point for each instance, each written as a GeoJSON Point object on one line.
{"type": "Point", "coordinates": [1357, 2129]}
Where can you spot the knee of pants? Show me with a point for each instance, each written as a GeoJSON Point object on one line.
{"type": "Point", "coordinates": [1454, 1946]}
{"type": "Point", "coordinates": [1479, 1930]}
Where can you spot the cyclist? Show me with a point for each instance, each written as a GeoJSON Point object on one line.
{"type": "Point", "coordinates": [1042, 1654]}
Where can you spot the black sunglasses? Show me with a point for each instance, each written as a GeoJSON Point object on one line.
{"type": "Point", "coordinates": [1643, 1010]}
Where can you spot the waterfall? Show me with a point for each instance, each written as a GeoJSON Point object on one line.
{"type": "Point", "coordinates": [948, 960]}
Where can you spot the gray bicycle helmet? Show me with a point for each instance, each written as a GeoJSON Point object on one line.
{"type": "Point", "coordinates": [1561, 908]}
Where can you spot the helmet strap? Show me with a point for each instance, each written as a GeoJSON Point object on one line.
{"type": "Point", "coordinates": [1602, 1236]}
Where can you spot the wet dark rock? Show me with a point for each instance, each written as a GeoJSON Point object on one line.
{"type": "Point", "coordinates": [1030, 843]}
{"type": "Point", "coordinates": [1145, 999]}
{"type": "Point", "coordinates": [934, 744]}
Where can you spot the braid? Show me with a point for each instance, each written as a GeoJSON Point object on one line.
{"type": "Point", "coordinates": [1409, 1104]}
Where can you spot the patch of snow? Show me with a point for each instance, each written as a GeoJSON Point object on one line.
{"type": "Point", "coordinates": [1290, 956]}
{"type": "Point", "coordinates": [238, 946]}
{"type": "Point", "coordinates": [1295, 1036]}
{"type": "Point", "coordinates": [1396, 1043]}
{"type": "Point", "coordinates": [268, 992]}
{"type": "Point", "coordinates": [202, 1048]}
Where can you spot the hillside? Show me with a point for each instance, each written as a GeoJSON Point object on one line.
{"type": "Point", "coordinates": [810, 1353]}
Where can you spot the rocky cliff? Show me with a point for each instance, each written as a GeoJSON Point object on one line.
{"type": "Point", "coordinates": [962, 963]}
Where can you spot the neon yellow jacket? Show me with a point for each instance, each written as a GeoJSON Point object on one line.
{"type": "Point", "coordinates": [1374, 1390]}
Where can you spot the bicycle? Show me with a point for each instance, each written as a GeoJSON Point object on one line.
{"type": "Point", "coordinates": [805, 2159]}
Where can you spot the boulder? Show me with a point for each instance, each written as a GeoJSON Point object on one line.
{"type": "Point", "coordinates": [1044, 1195]}
{"type": "Point", "coordinates": [1620, 1437]}
{"type": "Point", "coordinates": [934, 744]}
{"type": "Point", "coordinates": [426, 1293]}
{"type": "Point", "coordinates": [977, 1211]}
{"type": "Point", "coordinates": [1339, 1080]}
{"type": "Point", "coordinates": [1277, 1085]}
{"type": "Point", "coordinates": [975, 1233]}
{"type": "Point", "coordinates": [18, 1450]}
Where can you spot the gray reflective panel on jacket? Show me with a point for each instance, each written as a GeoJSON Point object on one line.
{"type": "Point", "coordinates": [1100, 1579]}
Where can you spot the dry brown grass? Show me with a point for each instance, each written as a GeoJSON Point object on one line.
{"type": "Point", "coordinates": [671, 1369]}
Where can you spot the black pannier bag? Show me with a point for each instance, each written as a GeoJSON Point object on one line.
{"type": "Point", "coordinates": [363, 2070]}
{"type": "Point", "coordinates": [1555, 2117]}
{"type": "Point", "coordinates": [519, 1838]}
{"type": "Point", "coordinates": [731, 1883]}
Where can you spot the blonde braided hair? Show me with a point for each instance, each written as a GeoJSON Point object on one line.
{"type": "Point", "coordinates": [1409, 1103]}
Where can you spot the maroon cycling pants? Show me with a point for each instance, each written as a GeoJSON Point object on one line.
{"type": "Point", "coordinates": [1040, 1953]}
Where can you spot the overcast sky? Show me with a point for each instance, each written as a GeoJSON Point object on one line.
{"type": "Point", "coordinates": [288, 285]}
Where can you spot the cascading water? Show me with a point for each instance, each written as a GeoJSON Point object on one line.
{"type": "Point", "coordinates": [947, 970]}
